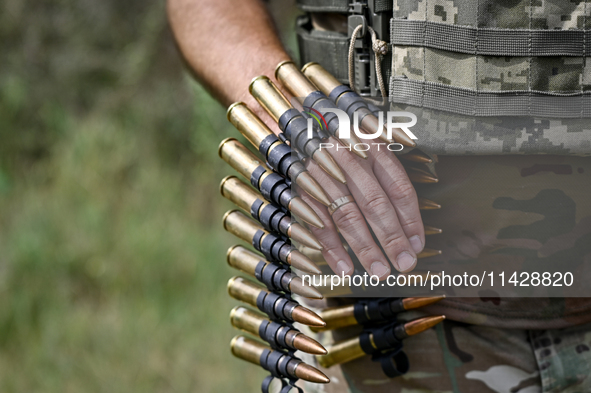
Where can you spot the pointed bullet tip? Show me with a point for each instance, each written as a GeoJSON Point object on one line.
{"type": "Point", "coordinates": [297, 286]}
{"type": "Point", "coordinates": [311, 186]}
{"type": "Point", "coordinates": [302, 262]}
{"type": "Point", "coordinates": [302, 210]}
{"type": "Point", "coordinates": [310, 374]}
{"type": "Point", "coordinates": [306, 344]}
{"type": "Point", "coordinates": [304, 236]}
{"type": "Point", "coordinates": [327, 162]}
{"type": "Point", "coordinates": [421, 324]}
{"type": "Point", "coordinates": [411, 303]}
{"type": "Point", "coordinates": [307, 317]}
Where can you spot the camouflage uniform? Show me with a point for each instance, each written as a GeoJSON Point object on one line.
{"type": "Point", "coordinates": [514, 190]}
{"type": "Point", "coordinates": [460, 357]}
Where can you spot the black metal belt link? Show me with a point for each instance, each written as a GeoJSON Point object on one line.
{"type": "Point", "coordinates": [271, 274]}
{"type": "Point", "coordinates": [271, 217]}
{"type": "Point", "coordinates": [385, 348]}
{"type": "Point", "coordinates": [276, 306]}
{"type": "Point", "coordinates": [273, 247]}
{"type": "Point", "coordinates": [295, 127]}
{"type": "Point", "coordinates": [279, 158]}
{"type": "Point", "coordinates": [276, 363]}
{"type": "Point", "coordinates": [373, 310]}
{"type": "Point", "coordinates": [366, 12]}
{"type": "Point", "coordinates": [275, 333]}
{"type": "Point", "coordinates": [394, 362]}
{"type": "Point", "coordinates": [274, 187]}
{"type": "Point", "coordinates": [321, 133]}
{"type": "Point", "coordinates": [287, 385]}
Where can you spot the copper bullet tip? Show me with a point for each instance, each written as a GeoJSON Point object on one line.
{"type": "Point", "coordinates": [326, 162]}
{"type": "Point", "coordinates": [416, 156]}
{"type": "Point", "coordinates": [307, 317]}
{"type": "Point", "coordinates": [304, 236]}
{"type": "Point", "coordinates": [401, 137]}
{"type": "Point", "coordinates": [419, 176]}
{"type": "Point", "coordinates": [310, 374]}
{"type": "Point", "coordinates": [410, 303]}
{"type": "Point", "coordinates": [429, 230]}
{"type": "Point", "coordinates": [304, 343]}
{"type": "Point", "coordinates": [428, 252]}
{"type": "Point", "coordinates": [311, 186]}
{"type": "Point", "coordinates": [297, 286]}
{"type": "Point", "coordinates": [427, 204]}
{"type": "Point", "coordinates": [302, 262]}
{"type": "Point", "coordinates": [420, 325]}
{"type": "Point", "coordinates": [302, 210]}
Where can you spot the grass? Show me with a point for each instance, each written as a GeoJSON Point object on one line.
{"type": "Point", "coordinates": [112, 255]}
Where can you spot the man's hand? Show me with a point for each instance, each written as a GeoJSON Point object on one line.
{"type": "Point", "coordinates": [227, 43]}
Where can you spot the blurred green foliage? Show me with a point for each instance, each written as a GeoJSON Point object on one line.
{"type": "Point", "coordinates": [112, 255]}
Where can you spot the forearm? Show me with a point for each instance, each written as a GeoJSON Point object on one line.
{"type": "Point", "coordinates": [226, 43]}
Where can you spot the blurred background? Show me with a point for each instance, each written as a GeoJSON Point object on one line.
{"type": "Point", "coordinates": [112, 255]}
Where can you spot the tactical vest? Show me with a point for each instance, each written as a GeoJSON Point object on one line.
{"type": "Point", "coordinates": [483, 77]}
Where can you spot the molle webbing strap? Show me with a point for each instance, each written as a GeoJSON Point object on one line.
{"type": "Point", "coordinates": [341, 6]}
{"type": "Point", "coordinates": [490, 41]}
{"type": "Point", "coordinates": [486, 103]}
{"type": "Point", "coordinates": [279, 158]}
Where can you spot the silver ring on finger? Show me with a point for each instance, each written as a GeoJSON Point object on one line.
{"type": "Point", "coordinates": [340, 202]}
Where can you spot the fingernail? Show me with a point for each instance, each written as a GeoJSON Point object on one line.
{"type": "Point", "coordinates": [405, 261]}
{"type": "Point", "coordinates": [342, 268]}
{"type": "Point", "coordinates": [378, 269]}
{"type": "Point", "coordinates": [416, 243]}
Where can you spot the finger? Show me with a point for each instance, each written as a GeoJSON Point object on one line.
{"type": "Point", "coordinates": [377, 210]}
{"type": "Point", "coordinates": [333, 251]}
{"type": "Point", "coordinates": [394, 181]}
{"type": "Point", "coordinates": [349, 219]}
{"type": "Point", "coordinates": [351, 224]}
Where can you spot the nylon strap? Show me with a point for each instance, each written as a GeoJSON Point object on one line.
{"type": "Point", "coordinates": [490, 41]}
{"type": "Point", "coordinates": [484, 103]}
{"type": "Point", "coordinates": [341, 6]}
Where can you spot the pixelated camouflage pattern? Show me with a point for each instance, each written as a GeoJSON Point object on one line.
{"type": "Point", "coordinates": [491, 73]}
{"type": "Point", "coordinates": [455, 357]}
{"type": "Point", "coordinates": [446, 133]}
{"type": "Point", "coordinates": [520, 14]}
